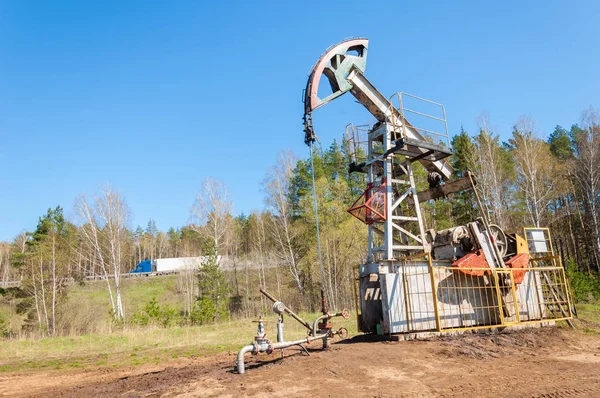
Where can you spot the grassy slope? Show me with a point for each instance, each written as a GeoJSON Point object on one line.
{"type": "Point", "coordinates": [89, 304]}
{"type": "Point", "coordinates": [136, 293]}
{"type": "Point", "coordinates": [112, 346]}
{"type": "Point", "coordinates": [131, 346]}
{"type": "Point", "coordinates": [87, 307]}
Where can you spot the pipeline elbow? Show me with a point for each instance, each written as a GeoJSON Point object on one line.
{"type": "Point", "coordinates": [240, 357]}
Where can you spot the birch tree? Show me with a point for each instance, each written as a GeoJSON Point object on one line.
{"type": "Point", "coordinates": [211, 214]}
{"type": "Point", "coordinates": [45, 255]}
{"type": "Point", "coordinates": [586, 169]}
{"type": "Point", "coordinates": [5, 267]}
{"type": "Point", "coordinates": [536, 170]}
{"type": "Point", "coordinates": [489, 166]}
{"type": "Point", "coordinates": [276, 185]}
{"type": "Point", "coordinates": [104, 222]}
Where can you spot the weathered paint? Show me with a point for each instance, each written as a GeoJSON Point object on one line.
{"type": "Point", "coordinates": [335, 64]}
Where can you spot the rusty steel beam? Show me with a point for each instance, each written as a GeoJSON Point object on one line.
{"type": "Point", "coordinates": [462, 184]}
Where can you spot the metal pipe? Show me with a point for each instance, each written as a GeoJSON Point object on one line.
{"type": "Point", "coordinates": [287, 310]}
{"type": "Point", "coordinates": [280, 329]}
{"type": "Point", "coordinates": [286, 344]}
{"type": "Point", "coordinates": [315, 323]}
{"type": "Point", "coordinates": [240, 357]}
{"type": "Point", "coordinates": [343, 314]}
{"type": "Point", "coordinates": [264, 347]}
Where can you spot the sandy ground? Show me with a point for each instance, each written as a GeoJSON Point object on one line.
{"type": "Point", "coordinates": [549, 362]}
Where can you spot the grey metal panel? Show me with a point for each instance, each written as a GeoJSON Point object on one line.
{"type": "Point", "coordinates": [529, 296]}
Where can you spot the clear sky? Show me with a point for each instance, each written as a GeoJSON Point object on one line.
{"type": "Point", "coordinates": [153, 96]}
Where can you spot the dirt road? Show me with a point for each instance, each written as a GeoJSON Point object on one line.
{"type": "Point", "coordinates": [549, 362]}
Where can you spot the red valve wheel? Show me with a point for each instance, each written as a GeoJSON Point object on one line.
{"type": "Point", "coordinates": [342, 332]}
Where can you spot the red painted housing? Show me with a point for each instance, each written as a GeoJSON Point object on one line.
{"type": "Point", "coordinates": [519, 265]}
{"type": "Point", "coordinates": [473, 264]}
{"type": "Point", "coordinates": [370, 208]}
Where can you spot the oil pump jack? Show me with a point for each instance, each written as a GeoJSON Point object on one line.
{"type": "Point", "coordinates": [415, 279]}
{"type": "Point", "coordinates": [418, 280]}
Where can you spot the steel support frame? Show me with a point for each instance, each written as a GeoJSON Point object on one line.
{"type": "Point", "coordinates": [398, 240]}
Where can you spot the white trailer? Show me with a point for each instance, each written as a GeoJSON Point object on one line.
{"type": "Point", "coordinates": [176, 264]}
{"type": "Point", "coordinates": [168, 265]}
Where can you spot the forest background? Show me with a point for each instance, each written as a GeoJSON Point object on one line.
{"type": "Point", "coordinates": [532, 179]}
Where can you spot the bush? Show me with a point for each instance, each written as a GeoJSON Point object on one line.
{"type": "Point", "coordinates": [205, 311]}
{"type": "Point", "coordinates": [152, 313]}
{"type": "Point", "coordinates": [3, 329]}
{"type": "Point", "coordinates": [585, 287]}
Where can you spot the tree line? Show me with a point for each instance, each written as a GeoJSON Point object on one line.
{"type": "Point", "coordinates": [531, 179]}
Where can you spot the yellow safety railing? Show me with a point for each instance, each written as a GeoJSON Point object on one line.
{"type": "Point", "coordinates": [438, 297]}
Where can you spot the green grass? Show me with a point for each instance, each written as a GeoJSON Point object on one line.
{"type": "Point", "coordinates": [136, 292]}
{"type": "Point", "coordinates": [86, 307]}
{"type": "Point", "coordinates": [589, 312]}
{"type": "Point", "coordinates": [588, 318]}
{"type": "Point", "coordinates": [135, 346]}
{"type": "Point", "coordinates": [131, 346]}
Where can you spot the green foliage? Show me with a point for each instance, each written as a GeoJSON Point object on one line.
{"type": "Point", "coordinates": [213, 289]}
{"type": "Point", "coordinates": [152, 313]}
{"type": "Point", "coordinates": [205, 311]}
{"type": "Point", "coordinates": [560, 144]}
{"type": "Point", "coordinates": [44, 254]}
{"type": "Point", "coordinates": [256, 243]}
{"type": "Point", "coordinates": [3, 328]}
{"type": "Point", "coordinates": [463, 208]}
{"type": "Point", "coordinates": [52, 223]}
{"type": "Point", "coordinates": [585, 287]}
{"type": "Point", "coordinates": [463, 150]}
{"type": "Point", "coordinates": [343, 238]}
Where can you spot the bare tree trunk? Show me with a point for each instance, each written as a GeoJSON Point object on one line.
{"type": "Point", "coordinates": [487, 165]}
{"type": "Point", "coordinates": [35, 297]}
{"type": "Point", "coordinates": [329, 273]}
{"type": "Point", "coordinates": [587, 172]}
{"type": "Point", "coordinates": [10, 317]}
{"type": "Point", "coordinates": [54, 283]}
{"type": "Point", "coordinates": [335, 281]}
{"type": "Point", "coordinates": [212, 209]}
{"type": "Point", "coordinates": [277, 186]}
{"type": "Point", "coordinates": [44, 306]}
{"type": "Point", "coordinates": [277, 278]}
{"type": "Point", "coordinates": [186, 280]}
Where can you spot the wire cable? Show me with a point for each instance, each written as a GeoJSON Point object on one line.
{"type": "Point", "coordinates": [312, 167]}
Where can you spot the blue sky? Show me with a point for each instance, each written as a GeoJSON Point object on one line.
{"type": "Point", "coordinates": [153, 96]}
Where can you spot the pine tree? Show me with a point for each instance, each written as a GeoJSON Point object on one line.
{"type": "Point", "coordinates": [463, 203]}
{"type": "Point", "coordinates": [213, 290]}
{"type": "Point", "coordinates": [561, 145]}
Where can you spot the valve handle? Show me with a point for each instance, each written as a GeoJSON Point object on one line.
{"type": "Point", "coordinates": [345, 313]}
